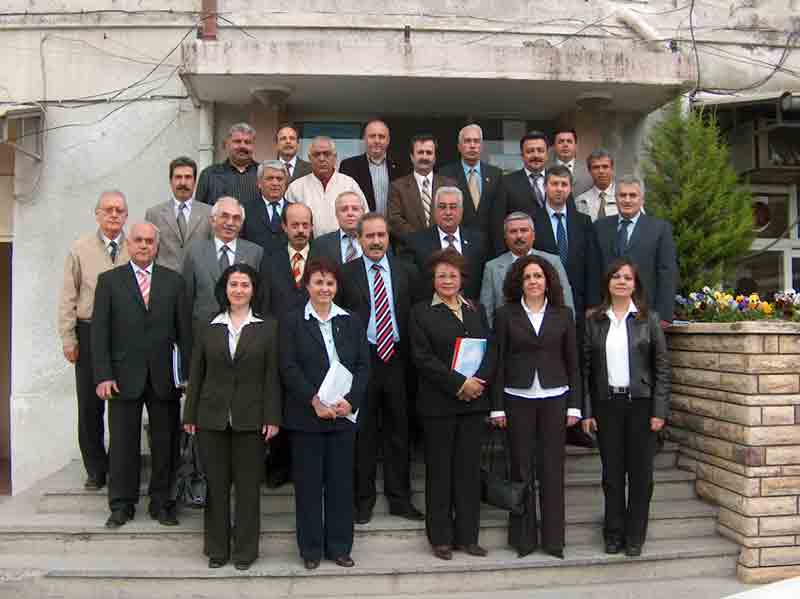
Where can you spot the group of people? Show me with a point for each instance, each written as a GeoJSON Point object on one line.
{"type": "Point", "coordinates": [256, 280]}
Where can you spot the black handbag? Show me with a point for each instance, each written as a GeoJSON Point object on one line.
{"type": "Point", "coordinates": [497, 488]}
{"type": "Point", "coordinates": [192, 486]}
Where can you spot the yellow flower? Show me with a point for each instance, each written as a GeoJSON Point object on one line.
{"type": "Point", "coordinates": [765, 307]}
{"type": "Point", "coordinates": [754, 299]}
{"type": "Point", "coordinates": [739, 298]}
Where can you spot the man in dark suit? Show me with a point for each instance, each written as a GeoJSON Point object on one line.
{"type": "Point", "coordinates": [477, 180]}
{"type": "Point", "coordinates": [282, 273]}
{"type": "Point", "coordinates": [567, 233]}
{"type": "Point", "coordinates": [342, 245]}
{"type": "Point", "coordinates": [522, 190]}
{"type": "Point", "coordinates": [378, 288]}
{"type": "Point", "coordinates": [448, 232]}
{"type": "Point", "coordinates": [411, 197]}
{"type": "Point", "coordinates": [565, 150]}
{"type": "Point", "coordinates": [286, 145]}
{"type": "Point", "coordinates": [647, 241]}
{"type": "Point", "coordinates": [139, 312]}
{"type": "Point", "coordinates": [373, 170]}
{"type": "Point", "coordinates": [264, 216]}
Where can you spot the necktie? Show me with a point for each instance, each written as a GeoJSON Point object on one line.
{"type": "Point", "coordinates": [289, 168]}
{"type": "Point", "coordinates": [426, 201]}
{"type": "Point", "coordinates": [350, 254]}
{"type": "Point", "coordinates": [224, 261]}
{"type": "Point", "coordinates": [275, 217]}
{"type": "Point", "coordinates": [144, 286]}
{"type": "Point", "coordinates": [474, 191]}
{"type": "Point", "coordinates": [537, 193]}
{"type": "Point", "coordinates": [384, 331]}
{"type": "Point", "coordinates": [182, 221]}
{"type": "Point", "coordinates": [450, 239]}
{"type": "Point", "coordinates": [601, 211]}
{"type": "Point", "coordinates": [561, 238]}
{"type": "Point", "coordinates": [297, 268]}
{"type": "Point", "coordinates": [622, 237]}
{"type": "Point", "coordinates": [112, 251]}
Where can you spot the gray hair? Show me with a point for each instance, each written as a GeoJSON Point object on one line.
{"type": "Point", "coordinates": [517, 215]}
{"type": "Point", "coordinates": [629, 180]}
{"type": "Point", "coordinates": [470, 126]}
{"type": "Point", "coordinates": [149, 224]}
{"type": "Point", "coordinates": [368, 217]}
{"type": "Point", "coordinates": [597, 154]}
{"type": "Point", "coordinates": [320, 138]}
{"type": "Point", "coordinates": [245, 128]}
{"type": "Point", "coordinates": [344, 194]}
{"type": "Point", "coordinates": [110, 192]}
{"type": "Point", "coordinates": [215, 209]}
{"type": "Point", "coordinates": [449, 190]}
{"type": "Point", "coordinates": [275, 165]}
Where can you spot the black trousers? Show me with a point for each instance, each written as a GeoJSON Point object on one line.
{"type": "Point", "coordinates": [125, 458]}
{"type": "Point", "coordinates": [453, 478]}
{"type": "Point", "coordinates": [232, 458]}
{"type": "Point", "coordinates": [537, 430]}
{"type": "Point", "coordinates": [627, 448]}
{"type": "Point", "coordinates": [322, 471]}
{"type": "Point", "coordinates": [383, 419]}
{"type": "Point", "coordinates": [91, 409]}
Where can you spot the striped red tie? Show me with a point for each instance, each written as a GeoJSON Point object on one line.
{"type": "Point", "coordinates": [144, 286]}
{"type": "Point", "coordinates": [384, 331]}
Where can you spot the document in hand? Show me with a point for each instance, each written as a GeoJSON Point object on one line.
{"type": "Point", "coordinates": [468, 355]}
{"type": "Point", "coordinates": [335, 386]}
{"type": "Point", "coordinates": [177, 371]}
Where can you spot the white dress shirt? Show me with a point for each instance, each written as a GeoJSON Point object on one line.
{"type": "Point", "coordinates": [589, 202]}
{"type": "Point", "coordinates": [148, 270]}
{"type": "Point", "coordinates": [218, 243]}
{"type": "Point", "coordinates": [290, 164]}
{"type": "Point", "coordinates": [420, 178]}
{"type": "Point", "coordinates": [617, 364]}
{"type": "Point", "coordinates": [539, 181]}
{"type": "Point", "coordinates": [187, 211]}
{"type": "Point", "coordinates": [308, 190]}
{"type": "Point", "coordinates": [326, 327]}
{"type": "Point", "coordinates": [344, 243]}
{"type": "Point", "coordinates": [233, 333]}
{"type": "Point", "coordinates": [107, 243]}
{"type": "Point", "coordinates": [551, 213]}
{"type": "Point", "coordinates": [631, 226]}
{"type": "Point", "coordinates": [456, 242]}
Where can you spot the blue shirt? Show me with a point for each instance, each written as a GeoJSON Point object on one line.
{"type": "Point", "coordinates": [387, 283]}
{"type": "Point", "coordinates": [631, 226]}
{"type": "Point", "coordinates": [554, 219]}
{"type": "Point", "coordinates": [477, 169]}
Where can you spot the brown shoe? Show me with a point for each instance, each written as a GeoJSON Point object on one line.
{"type": "Point", "coordinates": [472, 549]}
{"type": "Point", "coordinates": [442, 552]}
{"type": "Point", "coordinates": [345, 561]}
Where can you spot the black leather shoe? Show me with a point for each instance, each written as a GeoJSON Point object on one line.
{"type": "Point", "coordinates": [363, 516]}
{"type": "Point", "coordinates": [94, 483]}
{"type": "Point", "coordinates": [154, 510]}
{"type": "Point", "coordinates": [345, 561]}
{"type": "Point", "coordinates": [168, 516]}
{"type": "Point", "coordinates": [242, 565]}
{"type": "Point", "coordinates": [409, 512]}
{"type": "Point", "coordinates": [614, 546]}
{"type": "Point", "coordinates": [442, 552]}
{"type": "Point", "coordinates": [311, 564]}
{"type": "Point", "coordinates": [119, 518]}
{"type": "Point", "coordinates": [216, 563]}
{"type": "Point", "coordinates": [555, 552]}
{"type": "Point", "coordinates": [526, 551]}
{"type": "Point", "coordinates": [472, 549]}
{"type": "Point", "coordinates": [633, 550]}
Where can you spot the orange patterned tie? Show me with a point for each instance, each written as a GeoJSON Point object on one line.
{"type": "Point", "coordinates": [297, 268]}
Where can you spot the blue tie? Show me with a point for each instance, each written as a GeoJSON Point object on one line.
{"type": "Point", "coordinates": [561, 238]}
{"type": "Point", "coordinates": [275, 218]}
{"type": "Point", "coordinates": [622, 237]}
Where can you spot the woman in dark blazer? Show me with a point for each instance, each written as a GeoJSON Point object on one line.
{"type": "Point", "coordinates": [322, 437]}
{"type": "Point", "coordinates": [233, 403]}
{"type": "Point", "coordinates": [627, 381]}
{"type": "Point", "coordinates": [452, 407]}
{"type": "Point", "coordinates": [537, 384]}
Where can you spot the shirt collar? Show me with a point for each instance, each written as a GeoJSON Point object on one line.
{"type": "Point", "coordinates": [383, 263]}
{"type": "Point", "coordinates": [570, 164]}
{"type": "Point", "coordinates": [468, 168]}
{"type": "Point", "coordinates": [528, 173]}
{"type": "Point", "coordinates": [230, 165]}
{"type": "Point", "coordinates": [438, 300]}
{"type": "Point", "coordinates": [514, 257]}
{"type": "Point", "coordinates": [380, 162]}
{"type": "Point", "coordinates": [118, 239]}
{"type": "Point", "coordinates": [419, 178]}
{"type": "Point", "coordinates": [292, 162]}
{"type": "Point", "coordinates": [225, 318]}
{"type": "Point", "coordinates": [631, 310]}
{"type": "Point", "coordinates": [303, 252]}
{"type": "Point", "coordinates": [442, 234]}
{"type": "Point", "coordinates": [633, 220]}
{"type": "Point", "coordinates": [268, 202]}
{"type": "Point", "coordinates": [335, 311]}
{"type": "Point", "coordinates": [218, 243]}
{"type": "Point", "coordinates": [148, 269]}
{"type": "Point", "coordinates": [610, 197]}
{"type": "Point", "coordinates": [343, 236]}
{"type": "Point", "coordinates": [551, 212]}
{"type": "Point", "coordinates": [528, 311]}
{"type": "Point", "coordinates": [177, 204]}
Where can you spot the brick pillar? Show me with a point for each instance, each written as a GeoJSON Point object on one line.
{"type": "Point", "coordinates": [736, 414]}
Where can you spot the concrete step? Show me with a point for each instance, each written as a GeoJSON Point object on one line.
{"type": "Point", "coordinates": [85, 533]}
{"type": "Point", "coordinates": [279, 572]}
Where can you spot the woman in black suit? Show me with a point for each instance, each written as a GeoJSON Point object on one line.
{"type": "Point", "coordinates": [537, 383]}
{"type": "Point", "coordinates": [233, 403]}
{"type": "Point", "coordinates": [627, 380]}
{"type": "Point", "coordinates": [452, 407]}
{"type": "Point", "coordinates": [322, 437]}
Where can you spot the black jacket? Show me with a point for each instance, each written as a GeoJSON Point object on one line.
{"type": "Point", "coordinates": [257, 227]}
{"type": "Point", "coordinates": [490, 182]}
{"type": "Point", "coordinates": [357, 167]}
{"type": "Point", "coordinates": [433, 331]}
{"type": "Point", "coordinates": [647, 358]}
{"type": "Point", "coordinates": [304, 364]}
{"type": "Point", "coordinates": [246, 387]}
{"type": "Point", "coordinates": [281, 296]}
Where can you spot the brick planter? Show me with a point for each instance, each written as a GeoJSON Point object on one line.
{"type": "Point", "coordinates": [736, 414]}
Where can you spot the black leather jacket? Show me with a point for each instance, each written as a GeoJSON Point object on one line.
{"type": "Point", "coordinates": [647, 356]}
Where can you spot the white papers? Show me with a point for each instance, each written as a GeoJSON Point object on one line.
{"type": "Point", "coordinates": [468, 355]}
{"type": "Point", "coordinates": [335, 386]}
{"type": "Point", "coordinates": [177, 371]}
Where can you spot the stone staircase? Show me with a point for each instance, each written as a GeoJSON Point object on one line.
{"type": "Point", "coordinates": [53, 544]}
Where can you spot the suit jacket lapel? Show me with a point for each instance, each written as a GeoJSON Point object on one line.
{"type": "Point", "coordinates": [369, 191]}
{"type": "Point", "coordinates": [133, 286]}
{"type": "Point", "coordinates": [363, 283]}
{"type": "Point", "coordinates": [195, 219]}
{"type": "Point", "coordinates": [168, 214]}
{"type": "Point", "coordinates": [312, 326]}
{"type": "Point", "coordinates": [638, 231]}
{"type": "Point", "coordinates": [246, 338]}
{"type": "Point", "coordinates": [211, 259]}
{"type": "Point", "coordinates": [416, 199]}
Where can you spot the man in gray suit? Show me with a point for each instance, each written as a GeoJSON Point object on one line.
{"type": "Point", "coordinates": [565, 148]}
{"type": "Point", "coordinates": [180, 220]}
{"type": "Point", "coordinates": [519, 234]}
{"type": "Point", "coordinates": [342, 245]}
{"type": "Point", "coordinates": [646, 240]}
{"type": "Point", "coordinates": [208, 258]}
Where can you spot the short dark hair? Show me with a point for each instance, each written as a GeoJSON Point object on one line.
{"type": "Point", "coordinates": [321, 264]}
{"type": "Point", "coordinates": [368, 216]}
{"type": "Point", "coordinates": [419, 138]}
{"type": "Point", "coordinates": [565, 130]}
{"type": "Point", "coordinates": [369, 122]}
{"type": "Point", "coordinates": [221, 288]}
{"type": "Point", "coordinates": [512, 286]}
{"type": "Point", "coordinates": [447, 256]}
{"type": "Point", "coordinates": [285, 126]}
{"type": "Point", "coordinates": [182, 161]}
{"type": "Point", "coordinates": [531, 136]}
{"type": "Point", "coordinates": [558, 170]}
{"type": "Point", "coordinates": [639, 297]}
{"type": "Point", "coordinates": [597, 154]}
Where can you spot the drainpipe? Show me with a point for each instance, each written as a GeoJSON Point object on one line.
{"type": "Point", "coordinates": [208, 24]}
